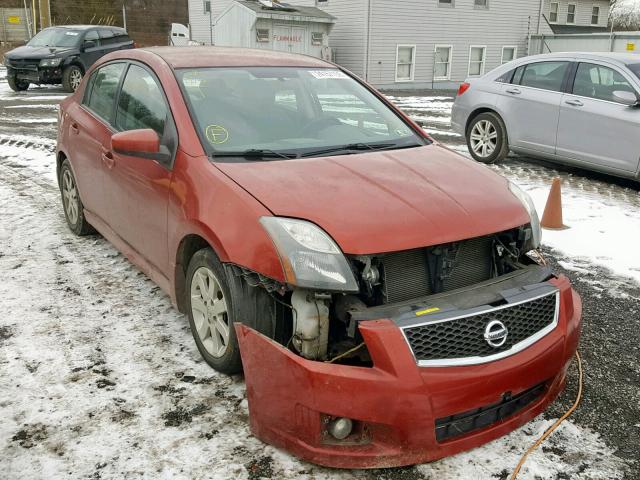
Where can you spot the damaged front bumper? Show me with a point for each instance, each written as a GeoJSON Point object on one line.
{"type": "Point", "coordinates": [405, 411]}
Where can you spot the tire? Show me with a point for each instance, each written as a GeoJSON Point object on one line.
{"type": "Point", "coordinates": [71, 203]}
{"type": "Point", "coordinates": [17, 85]}
{"type": "Point", "coordinates": [71, 78]}
{"type": "Point", "coordinates": [252, 306]}
{"type": "Point", "coordinates": [487, 138]}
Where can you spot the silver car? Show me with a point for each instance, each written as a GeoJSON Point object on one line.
{"type": "Point", "coordinates": [581, 109]}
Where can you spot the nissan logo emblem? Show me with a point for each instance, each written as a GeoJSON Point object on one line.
{"type": "Point", "coordinates": [495, 333]}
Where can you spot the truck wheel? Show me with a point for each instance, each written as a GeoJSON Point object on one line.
{"type": "Point", "coordinates": [73, 208]}
{"type": "Point", "coordinates": [215, 299]}
{"type": "Point", "coordinates": [487, 138]}
{"type": "Point", "coordinates": [17, 85]}
{"type": "Point", "coordinates": [71, 78]}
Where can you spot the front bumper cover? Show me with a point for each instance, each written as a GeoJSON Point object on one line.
{"type": "Point", "coordinates": [396, 403]}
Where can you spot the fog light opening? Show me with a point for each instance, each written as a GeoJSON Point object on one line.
{"type": "Point", "coordinates": [340, 428]}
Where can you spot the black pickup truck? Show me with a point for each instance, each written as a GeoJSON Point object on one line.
{"type": "Point", "coordinates": [62, 54]}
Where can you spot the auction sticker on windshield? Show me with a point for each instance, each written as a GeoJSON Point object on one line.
{"type": "Point", "coordinates": [217, 134]}
{"type": "Point", "coordinates": [322, 74]}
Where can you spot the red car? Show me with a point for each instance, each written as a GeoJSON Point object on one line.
{"type": "Point", "coordinates": [374, 286]}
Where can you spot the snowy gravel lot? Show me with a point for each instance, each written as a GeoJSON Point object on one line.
{"type": "Point", "coordinates": [100, 378]}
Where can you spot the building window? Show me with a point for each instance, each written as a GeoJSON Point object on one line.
{"type": "Point", "coordinates": [476, 60]}
{"type": "Point", "coordinates": [553, 12]}
{"type": "Point", "coordinates": [442, 65]}
{"type": "Point", "coordinates": [207, 6]}
{"type": "Point", "coordinates": [571, 13]}
{"type": "Point", "coordinates": [405, 62]}
{"type": "Point", "coordinates": [262, 35]}
{"type": "Point", "coordinates": [317, 38]}
{"type": "Point", "coordinates": [595, 15]}
{"type": "Point", "coordinates": [446, 3]}
{"type": "Point", "coordinates": [481, 3]}
{"type": "Point", "coordinates": [508, 54]}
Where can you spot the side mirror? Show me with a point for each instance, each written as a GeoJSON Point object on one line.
{"type": "Point", "coordinates": [625, 97]}
{"type": "Point", "coordinates": [144, 143]}
{"type": "Point", "coordinates": [88, 44]}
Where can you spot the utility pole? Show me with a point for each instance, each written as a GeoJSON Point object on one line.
{"type": "Point", "coordinates": [45, 14]}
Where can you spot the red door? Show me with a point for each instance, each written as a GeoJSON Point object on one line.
{"type": "Point", "coordinates": [89, 130]}
{"type": "Point", "coordinates": [137, 189]}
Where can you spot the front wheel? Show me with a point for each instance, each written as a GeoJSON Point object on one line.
{"type": "Point", "coordinates": [17, 85]}
{"type": "Point", "coordinates": [487, 138]}
{"type": "Point", "coordinates": [215, 299]}
{"type": "Point", "coordinates": [71, 78]}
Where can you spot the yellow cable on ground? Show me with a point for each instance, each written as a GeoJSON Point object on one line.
{"type": "Point", "coordinates": [551, 429]}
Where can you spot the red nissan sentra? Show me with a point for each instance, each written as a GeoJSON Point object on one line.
{"type": "Point", "coordinates": [375, 287]}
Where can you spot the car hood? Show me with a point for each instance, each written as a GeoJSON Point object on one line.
{"type": "Point", "coordinates": [386, 201]}
{"type": "Point", "coordinates": [26, 52]}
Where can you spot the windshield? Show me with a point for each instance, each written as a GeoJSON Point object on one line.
{"type": "Point", "coordinates": [55, 37]}
{"type": "Point", "coordinates": [286, 112]}
{"type": "Point", "coordinates": [635, 68]}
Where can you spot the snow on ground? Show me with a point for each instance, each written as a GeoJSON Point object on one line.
{"type": "Point", "coordinates": [100, 377]}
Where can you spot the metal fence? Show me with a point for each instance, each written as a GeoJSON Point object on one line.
{"type": "Point", "coordinates": [14, 25]}
{"type": "Point", "coordinates": [586, 42]}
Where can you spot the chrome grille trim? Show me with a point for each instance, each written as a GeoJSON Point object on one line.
{"type": "Point", "coordinates": [478, 360]}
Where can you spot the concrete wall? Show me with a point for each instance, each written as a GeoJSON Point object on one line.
{"type": "Point", "coordinates": [595, 42]}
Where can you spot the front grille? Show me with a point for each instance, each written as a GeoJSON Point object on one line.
{"type": "Point", "coordinates": [444, 341]}
{"type": "Point", "coordinates": [461, 423]}
{"type": "Point", "coordinates": [416, 273]}
{"type": "Point", "coordinates": [25, 64]}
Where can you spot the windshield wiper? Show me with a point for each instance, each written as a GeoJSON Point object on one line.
{"type": "Point", "coordinates": [357, 147]}
{"type": "Point", "coordinates": [256, 153]}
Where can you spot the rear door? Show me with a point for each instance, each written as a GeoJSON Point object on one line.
{"type": "Point", "coordinates": [89, 130]}
{"type": "Point", "coordinates": [137, 189]}
{"type": "Point", "coordinates": [594, 127]}
{"type": "Point", "coordinates": [530, 104]}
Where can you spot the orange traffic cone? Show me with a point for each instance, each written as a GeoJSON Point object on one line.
{"type": "Point", "coordinates": [552, 216]}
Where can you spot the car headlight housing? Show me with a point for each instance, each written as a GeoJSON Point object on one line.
{"type": "Point", "coordinates": [527, 203]}
{"type": "Point", "coordinates": [50, 62]}
{"type": "Point", "coordinates": [309, 256]}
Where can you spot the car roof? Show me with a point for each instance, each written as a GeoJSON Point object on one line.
{"type": "Point", "coordinates": [622, 58]}
{"type": "Point", "coordinates": [205, 56]}
{"type": "Point", "coordinates": [87, 27]}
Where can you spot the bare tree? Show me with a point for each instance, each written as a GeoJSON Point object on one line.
{"type": "Point", "coordinates": [624, 15]}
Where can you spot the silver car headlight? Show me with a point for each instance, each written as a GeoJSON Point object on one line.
{"type": "Point", "coordinates": [310, 258]}
{"type": "Point", "coordinates": [50, 62]}
{"type": "Point", "coordinates": [527, 203]}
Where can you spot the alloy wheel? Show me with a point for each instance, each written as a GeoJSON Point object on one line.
{"type": "Point", "coordinates": [484, 138]}
{"type": "Point", "coordinates": [75, 78]}
{"type": "Point", "coordinates": [209, 310]}
{"type": "Point", "coordinates": [70, 197]}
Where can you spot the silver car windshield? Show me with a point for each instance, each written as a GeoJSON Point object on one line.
{"type": "Point", "coordinates": [55, 37]}
{"type": "Point", "coordinates": [274, 112]}
{"type": "Point", "coordinates": [635, 68]}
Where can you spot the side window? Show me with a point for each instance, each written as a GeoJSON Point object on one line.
{"type": "Point", "coordinates": [103, 85]}
{"type": "Point", "coordinates": [141, 103]}
{"type": "Point", "coordinates": [544, 75]}
{"type": "Point", "coordinates": [106, 37]}
{"type": "Point", "coordinates": [92, 36]}
{"type": "Point", "coordinates": [517, 76]}
{"type": "Point", "coordinates": [599, 82]}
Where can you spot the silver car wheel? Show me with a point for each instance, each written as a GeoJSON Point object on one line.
{"type": "Point", "coordinates": [209, 311]}
{"type": "Point", "coordinates": [70, 197]}
{"type": "Point", "coordinates": [75, 78]}
{"type": "Point", "coordinates": [483, 138]}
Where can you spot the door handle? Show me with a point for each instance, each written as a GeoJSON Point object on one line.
{"type": "Point", "coordinates": [107, 158]}
{"type": "Point", "coordinates": [74, 128]}
{"type": "Point", "coordinates": [575, 103]}
{"type": "Point", "coordinates": [513, 91]}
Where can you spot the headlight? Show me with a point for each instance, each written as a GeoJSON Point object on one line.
{"type": "Point", "coordinates": [310, 258]}
{"type": "Point", "coordinates": [50, 62]}
{"type": "Point", "coordinates": [527, 203]}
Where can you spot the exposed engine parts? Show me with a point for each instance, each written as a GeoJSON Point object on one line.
{"type": "Point", "coordinates": [310, 323]}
